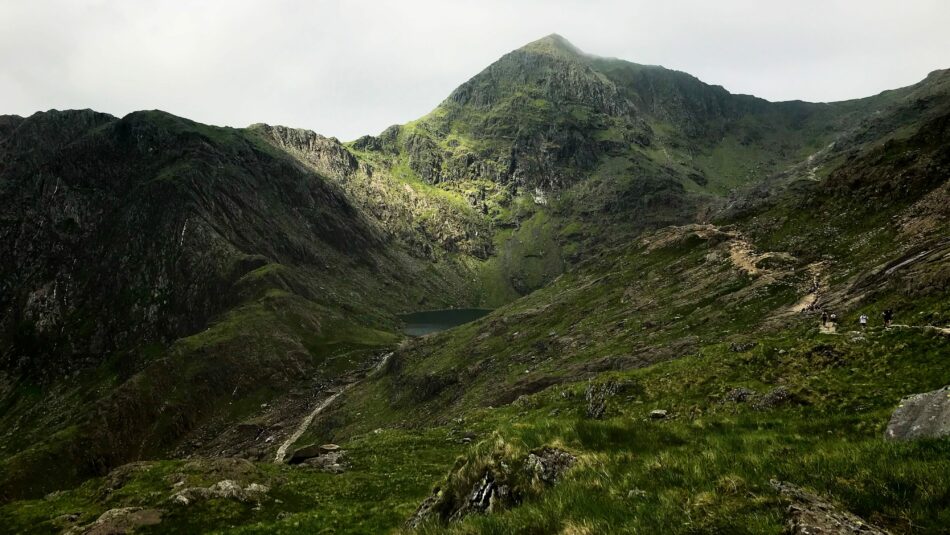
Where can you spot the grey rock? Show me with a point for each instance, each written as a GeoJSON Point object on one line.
{"type": "Point", "coordinates": [311, 451]}
{"type": "Point", "coordinates": [225, 489]}
{"type": "Point", "coordinates": [332, 462]}
{"type": "Point", "coordinates": [924, 415]}
{"type": "Point", "coordinates": [658, 414]}
{"type": "Point", "coordinates": [120, 520]}
{"type": "Point", "coordinates": [740, 395]}
{"type": "Point", "coordinates": [548, 464]}
{"type": "Point", "coordinates": [596, 396]}
{"type": "Point", "coordinates": [808, 514]}
{"type": "Point", "coordinates": [774, 398]}
{"type": "Point", "coordinates": [501, 485]}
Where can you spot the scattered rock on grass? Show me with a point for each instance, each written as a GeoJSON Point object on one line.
{"type": "Point", "coordinates": [741, 347]}
{"type": "Point", "coordinates": [774, 398]}
{"type": "Point", "coordinates": [658, 414]}
{"type": "Point", "coordinates": [740, 395]}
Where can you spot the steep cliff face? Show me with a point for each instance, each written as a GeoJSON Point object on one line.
{"type": "Point", "coordinates": [431, 223]}
{"type": "Point", "coordinates": [151, 219]}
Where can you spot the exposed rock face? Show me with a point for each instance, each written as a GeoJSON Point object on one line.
{"type": "Point", "coordinates": [326, 155]}
{"type": "Point", "coordinates": [810, 515]}
{"type": "Point", "coordinates": [150, 217]}
{"type": "Point", "coordinates": [418, 220]}
{"type": "Point", "coordinates": [924, 415]}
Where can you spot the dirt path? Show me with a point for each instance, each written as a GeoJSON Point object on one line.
{"type": "Point", "coordinates": [820, 283]}
{"type": "Point", "coordinates": [307, 420]}
{"type": "Point", "coordinates": [740, 252]}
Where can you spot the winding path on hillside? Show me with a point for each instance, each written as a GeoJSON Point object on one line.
{"type": "Point", "coordinates": [308, 419]}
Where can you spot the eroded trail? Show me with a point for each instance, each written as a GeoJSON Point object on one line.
{"type": "Point", "coordinates": [307, 420]}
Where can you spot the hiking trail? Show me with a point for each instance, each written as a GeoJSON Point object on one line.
{"type": "Point", "coordinates": [308, 419]}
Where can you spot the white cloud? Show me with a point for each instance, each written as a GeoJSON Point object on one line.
{"type": "Point", "coordinates": [348, 68]}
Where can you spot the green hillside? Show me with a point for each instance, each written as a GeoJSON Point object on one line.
{"type": "Point", "coordinates": [186, 307]}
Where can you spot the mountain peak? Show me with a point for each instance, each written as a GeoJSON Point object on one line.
{"type": "Point", "coordinates": [553, 44]}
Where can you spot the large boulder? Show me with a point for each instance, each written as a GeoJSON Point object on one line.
{"type": "Point", "coordinates": [924, 415]}
{"type": "Point", "coordinates": [310, 451]}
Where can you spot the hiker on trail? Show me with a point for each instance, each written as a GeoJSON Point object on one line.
{"type": "Point", "coordinates": [888, 317]}
{"type": "Point", "coordinates": [834, 320]}
{"type": "Point", "coordinates": [863, 320]}
{"type": "Point", "coordinates": [824, 318]}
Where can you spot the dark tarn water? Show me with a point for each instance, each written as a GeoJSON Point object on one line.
{"type": "Point", "coordinates": [433, 321]}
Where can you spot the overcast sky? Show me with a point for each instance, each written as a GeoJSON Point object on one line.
{"type": "Point", "coordinates": [351, 68]}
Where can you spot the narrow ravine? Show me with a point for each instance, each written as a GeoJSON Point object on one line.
{"type": "Point", "coordinates": [307, 420]}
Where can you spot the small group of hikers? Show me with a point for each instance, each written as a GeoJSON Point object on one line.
{"type": "Point", "coordinates": [827, 317]}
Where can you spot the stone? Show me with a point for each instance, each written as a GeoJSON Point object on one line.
{"type": "Point", "coordinates": [658, 414]}
{"type": "Point", "coordinates": [332, 462]}
{"type": "Point", "coordinates": [500, 485]}
{"type": "Point", "coordinates": [739, 347]}
{"type": "Point", "coordinates": [547, 464]}
{"type": "Point", "coordinates": [774, 398]}
{"type": "Point", "coordinates": [123, 520]}
{"type": "Point", "coordinates": [808, 514]}
{"type": "Point", "coordinates": [225, 489]}
{"type": "Point", "coordinates": [924, 415]}
{"type": "Point", "coordinates": [305, 452]}
{"type": "Point", "coordinates": [597, 395]}
{"type": "Point", "coordinates": [739, 395]}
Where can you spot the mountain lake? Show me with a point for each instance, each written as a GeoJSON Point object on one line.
{"type": "Point", "coordinates": [432, 321]}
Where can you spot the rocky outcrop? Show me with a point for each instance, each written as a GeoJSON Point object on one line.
{"type": "Point", "coordinates": [120, 521]}
{"type": "Point", "coordinates": [227, 489]}
{"type": "Point", "coordinates": [809, 514]}
{"type": "Point", "coordinates": [326, 155]}
{"type": "Point", "coordinates": [924, 415]}
{"type": "Point", "coordinates": [495, 486]}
